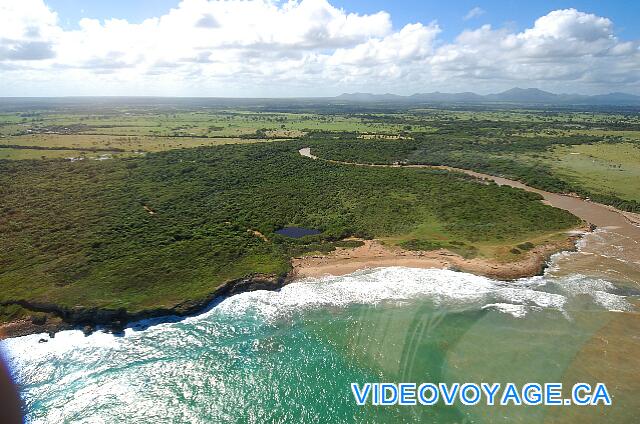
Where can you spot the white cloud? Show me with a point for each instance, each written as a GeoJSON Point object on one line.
{"type": "Point", "coordinates": [308, 47]}
{"type": "Point", "coordinates": [474, 13]}
{"type": "Point", "coordinates": [27, 30]}
{"type": "Point", "coordinates": [564, 50]}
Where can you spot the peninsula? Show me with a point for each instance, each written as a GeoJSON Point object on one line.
{"type": "Point", "coordinates": [112, 213]}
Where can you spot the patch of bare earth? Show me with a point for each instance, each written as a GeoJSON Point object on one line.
{"type": "Point", "coordinates": [257, 234]}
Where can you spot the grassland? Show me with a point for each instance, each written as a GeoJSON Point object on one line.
{"type": "Point", "coordinates": [22, 154]}
{"type": "Point", "coordinates": [130, 132]}
{"type": "Point", "coordinates": [602, 168]}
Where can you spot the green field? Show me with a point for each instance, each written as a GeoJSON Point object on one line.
{"type": "Point", "coordinates": [602, 168]}
{"type": "Point", "coordinates": [21, 154]}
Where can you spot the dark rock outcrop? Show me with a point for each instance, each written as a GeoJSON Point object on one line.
{"type": "Point", "coordinates": [115, 320]}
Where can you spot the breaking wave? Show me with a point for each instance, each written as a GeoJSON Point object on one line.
{"type": "Point", "coordinates": [444, 288]}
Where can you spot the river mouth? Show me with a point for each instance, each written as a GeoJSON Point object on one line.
{"type": "Point", "coordinates": [591, 212]}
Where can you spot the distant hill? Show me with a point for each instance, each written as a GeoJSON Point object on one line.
{"type": "Point", "coordinates": [514, 95]}
{"type": "Point", "coordinates": [616, 98]}
{"type": "Point", "coordinates": [526, 95]}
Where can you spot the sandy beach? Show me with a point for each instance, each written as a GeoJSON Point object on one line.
{"type": "Point", "coordinates": [374, 254]}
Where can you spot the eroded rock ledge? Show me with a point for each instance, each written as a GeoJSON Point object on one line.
{"type": "Point", "coordinates": [60, 318]}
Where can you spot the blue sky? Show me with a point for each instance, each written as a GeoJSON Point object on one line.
{"type": "Point", "coordinates": [449, 14]}
{"type": "Point", "coordinates": [267, 48]}
{"type": "Point", "coordinates": [519, 14]}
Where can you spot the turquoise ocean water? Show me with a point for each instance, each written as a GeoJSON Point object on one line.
{"type": "Point", "coordinates": [290, 356]}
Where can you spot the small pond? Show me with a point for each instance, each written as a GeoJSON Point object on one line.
{"type": "Point", "coordinates": [297, 232]}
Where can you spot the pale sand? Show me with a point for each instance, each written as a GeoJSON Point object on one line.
{"type": "Point", "coordinates": [634, 218]}
{"type": "Point", "coordinates": [373, 254]}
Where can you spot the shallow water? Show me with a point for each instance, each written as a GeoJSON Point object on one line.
{"type": "Point", "coordinates": [291, 355]}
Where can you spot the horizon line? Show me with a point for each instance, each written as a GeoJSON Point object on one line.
{"type": "Point", "coordinates": [311, 97]}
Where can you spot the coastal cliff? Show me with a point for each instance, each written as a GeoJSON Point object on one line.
{"type": "Point", "coordinates": [54, 318]}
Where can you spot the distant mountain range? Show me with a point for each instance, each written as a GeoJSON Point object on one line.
{"type": "Point", "coordinates": [515, 95]}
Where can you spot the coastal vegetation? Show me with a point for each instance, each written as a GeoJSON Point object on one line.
{"type": "Point", "coordinates": [154, 231]}
{"type": "Point", "coordinates": [189, 196]}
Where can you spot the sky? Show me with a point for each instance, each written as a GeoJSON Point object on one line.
{"type": "Point", "coordinates": [274, 48]}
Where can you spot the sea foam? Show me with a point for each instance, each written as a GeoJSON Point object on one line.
{"type": "Point", "coordinates": [444, 288]}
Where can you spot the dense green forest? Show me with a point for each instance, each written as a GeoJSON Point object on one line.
{"type": "Point", "coordinates": [154, 231]}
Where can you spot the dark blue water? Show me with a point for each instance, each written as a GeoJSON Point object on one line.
{"type": "Point", "coordinates": [297, 232]}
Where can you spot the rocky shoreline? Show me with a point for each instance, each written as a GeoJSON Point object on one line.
{"type": "Point", "coordinates": [115, 320]}
{"type": "Point", "coordinates": [343, 261]}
